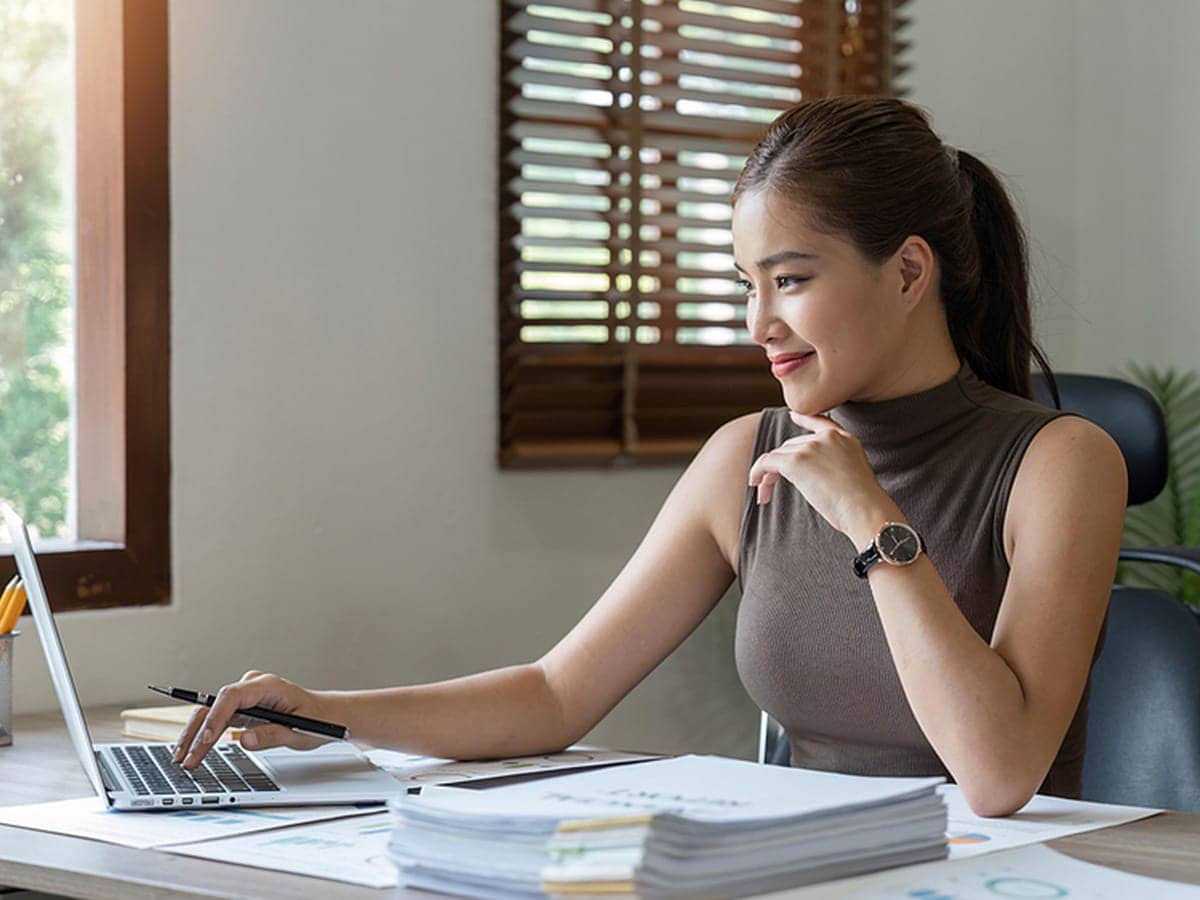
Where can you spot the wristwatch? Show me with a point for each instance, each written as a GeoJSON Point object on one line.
{"type": "Point", "coordinates": [896, 543]}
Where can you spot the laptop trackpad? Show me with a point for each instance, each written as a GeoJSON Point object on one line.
{"type": "Point", "coordinates": [333, 764]}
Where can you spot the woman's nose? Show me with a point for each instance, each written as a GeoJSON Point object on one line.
{"type": "Point", "coordinates": [761, 322]}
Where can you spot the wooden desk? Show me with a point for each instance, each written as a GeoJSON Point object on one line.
{"type": "Point", "coordinates": [41, 766]}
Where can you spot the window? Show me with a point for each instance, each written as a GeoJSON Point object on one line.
{"type": "Point", "coordinates": [117, 552]}
{"type": "Point", "coordinates": [623, 124]}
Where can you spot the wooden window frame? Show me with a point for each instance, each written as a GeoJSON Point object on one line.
{"type": "Point", "coordinates": [122, 325]}
{"type": "Point", "coordinates": [625, 403]}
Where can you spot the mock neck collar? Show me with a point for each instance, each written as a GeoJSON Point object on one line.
{"type": "Point", "coordinates": [903, 418]}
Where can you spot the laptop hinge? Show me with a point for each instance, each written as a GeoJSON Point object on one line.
{"type": "Point", "coordinates": [106, 776]}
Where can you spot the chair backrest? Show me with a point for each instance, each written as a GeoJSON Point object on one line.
{"type": "Point", "coordinates": [1129, 414]}
{"type": "Point", "coordinates": [1143, 736]}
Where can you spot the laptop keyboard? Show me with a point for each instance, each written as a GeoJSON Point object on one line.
{"type": "Point", "coordinates": [225, 769]}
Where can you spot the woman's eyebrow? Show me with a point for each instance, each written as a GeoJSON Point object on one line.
{"type": "Point", "coordinates": [770, 262]}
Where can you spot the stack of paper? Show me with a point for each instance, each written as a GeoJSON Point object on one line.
{"type": "Point", "coordinates": [686, 827]}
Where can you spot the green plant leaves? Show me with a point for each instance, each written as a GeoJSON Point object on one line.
{"type": "Point", "coordinates": [1173, 517]}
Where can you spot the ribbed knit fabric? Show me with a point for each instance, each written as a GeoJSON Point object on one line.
{"type": "Point", "coordinates": [810, 647]}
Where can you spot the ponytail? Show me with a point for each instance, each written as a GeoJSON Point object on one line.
{"type": "Point", "coordinates": [991, 325]}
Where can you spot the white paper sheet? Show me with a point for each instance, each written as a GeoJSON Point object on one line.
{"type": "Point", "coordinates": [1033, 871]}
{"type": "Point", "coordinates": [353, 850]}
{"type": "Point", "coordinates": [1041, 819]}
{"type": "Point", "coordinates": [88, 817]}
{"type": "Point", "coordinates": [422, 770]}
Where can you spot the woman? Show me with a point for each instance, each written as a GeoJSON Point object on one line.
{"type": "Point", "coordinates": [886, 279]}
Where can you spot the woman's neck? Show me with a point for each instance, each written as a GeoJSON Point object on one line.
{"type": "Point", "coordinates": [918, 373]}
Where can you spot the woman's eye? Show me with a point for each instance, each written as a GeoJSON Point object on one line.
{"type": "Point", "coordinates": [782, 281]}
{"type": "Point", "coordinates": [786, 280]}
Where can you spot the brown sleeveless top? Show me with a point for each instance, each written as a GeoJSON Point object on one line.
{"type": "Point", "coordinates": [810, 648]}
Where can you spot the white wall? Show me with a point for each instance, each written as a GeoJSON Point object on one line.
{"type": "Point", "coordinates": [1137, 185]}
{"type": "Point", "coordinates": [337, 513]}
{"type": "Point", "coordinates": [1089, 107]}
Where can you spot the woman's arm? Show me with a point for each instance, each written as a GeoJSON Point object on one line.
{"type": "Point", "coordinates": [996, 714]}
{"type": "Point", "coordinates": [676, 576]}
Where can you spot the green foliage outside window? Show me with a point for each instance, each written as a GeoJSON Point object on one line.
{"type": "Point", "coordinates": [35, 275]}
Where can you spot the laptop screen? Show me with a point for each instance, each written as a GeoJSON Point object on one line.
{"type": "Point", "coordinates": [47, 631]}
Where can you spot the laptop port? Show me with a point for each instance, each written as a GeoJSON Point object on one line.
{"type": "Point", "coordinates": [186, 801]}
{"type": "Point", "coordinates": [210, 800]}
{"type": "Point", "coordinates": [168, 801]}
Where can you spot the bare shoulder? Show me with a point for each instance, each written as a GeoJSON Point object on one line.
{"type": "Point", "coordinates": [735, 435]}
{"type": "Point", "coordinates": [723, 465]}
{"type": "Point", "coordinates": [1070, 458]}
{"type": "Point", "coordinates": [1079, 445]}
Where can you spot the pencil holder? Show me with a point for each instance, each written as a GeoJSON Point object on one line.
{"type": "Point", "coordinates": [6, 686]}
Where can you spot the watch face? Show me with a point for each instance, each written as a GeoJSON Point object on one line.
{"type": "Point", "coordinates": [897, 544]}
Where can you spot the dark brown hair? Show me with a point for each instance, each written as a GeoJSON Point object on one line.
{"type": "Point", "coordinates": [870, 170]}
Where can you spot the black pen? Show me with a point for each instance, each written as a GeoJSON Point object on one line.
{"type": "Point", "coordinates": [302, 724]}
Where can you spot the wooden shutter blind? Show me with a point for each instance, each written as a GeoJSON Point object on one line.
{"type": "Point", "coordinates": [623, 124]}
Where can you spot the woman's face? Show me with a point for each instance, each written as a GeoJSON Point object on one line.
{"type": "Point", "coordinates": [809, 293]}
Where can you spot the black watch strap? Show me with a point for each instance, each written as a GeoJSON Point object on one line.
{"type": "Point", "coordinates": [866, 559]}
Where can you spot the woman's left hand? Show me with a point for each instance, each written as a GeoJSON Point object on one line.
{"type": "Point", "coordinates": [829, 467]}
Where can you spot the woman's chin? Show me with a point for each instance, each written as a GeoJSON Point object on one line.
{"type": "Point", "coordinates": [805, 404]}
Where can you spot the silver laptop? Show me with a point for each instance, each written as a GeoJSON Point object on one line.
{"type": "Point", "coordinates": [142, 776]}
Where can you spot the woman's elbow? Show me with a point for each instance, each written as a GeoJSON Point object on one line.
{"type": "Point", "coordinates": [996, 800]}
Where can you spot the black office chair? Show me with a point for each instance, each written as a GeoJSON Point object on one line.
{"type": "Point", "coordinates": [1143, 738]}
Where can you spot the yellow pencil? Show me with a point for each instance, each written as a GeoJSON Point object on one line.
{"type": "Point", "coordinates": [9, 589]}
{"type": "Point", "coordinates": [12, 612]}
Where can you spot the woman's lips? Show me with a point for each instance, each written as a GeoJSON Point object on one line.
{"type": "Point", "coordinates": [789, 364]}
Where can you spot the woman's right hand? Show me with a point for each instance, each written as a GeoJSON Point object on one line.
{"type": "Point", "coordinates": [255, 689]}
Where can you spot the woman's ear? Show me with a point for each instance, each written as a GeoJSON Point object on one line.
{"type": "Point", "coordinates": [915, 258]}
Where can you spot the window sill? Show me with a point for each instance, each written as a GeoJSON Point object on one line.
{"type": "Point", "coordinates": [96, 574]}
